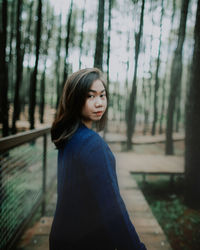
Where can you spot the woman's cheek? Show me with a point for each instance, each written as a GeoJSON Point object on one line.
{"type": "Point", "coordinates": [105, 103]}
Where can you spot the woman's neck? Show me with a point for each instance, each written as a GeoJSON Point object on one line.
{"type": "Point", "coordinates": [88, 124]}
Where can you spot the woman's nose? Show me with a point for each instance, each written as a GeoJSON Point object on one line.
{"type": "Point", "coordinates": [98, 102]}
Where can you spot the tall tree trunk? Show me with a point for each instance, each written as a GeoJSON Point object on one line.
{"type": "Point", "coordinates": [108, 51]}
{"type": "Point", "coordinates": [26, 49]}
{"type": "Point", "coordinates": [146, 113]}
{"type": "Point", "coordinates": [98, 58]}
{"type": "Point", "coordinates": [108, 44]}
{"type": "Point", "coordinates": [157, 80]}
{"type": "Point", "coordinates": [57, 71]}
{"type": "Point", "coordinates": [42, 93]}
{"type": "Point", "coordinates": [81, 38]}
{"type": "Point", "coordinates": [148, 102]}
{"type": "Point", "coordinates": [132, 101]}
{"type": "Point", "coordinates": [175, 80]}
{"type": "Point", "coordinates": [19, 67]}
{"type": "Point", "coordinates": [11, 72]}
{"type": "Point", "coordinates": [12, 27]}
{"type": "Point", "coordinates": [29, 49]}
{"type": "Point", "coordinates": [65, 73]}
{"type": "Point", "coordinates": [3, 69]}
{"type": "Point", "coordinates": [166, 69]}
{"type": "Point", "coordinates": [45, 54]}
{"type": "Point", "coordinates": [178, 110]}
{"type": "Point", "coordinates": [163, 104]}
{"type": "Point", "coordinates": [126, 80]}
{"type": "Point", "coordinates": [33, 80]}
{"type": "Point", "coordinates": [192, 140]}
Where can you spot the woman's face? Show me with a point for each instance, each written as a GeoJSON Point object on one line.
{"type": "Point", "coordinates": [95, 104]}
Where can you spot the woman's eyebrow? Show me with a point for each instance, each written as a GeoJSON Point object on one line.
{"type": "Point", "coordinates": [94, 91]}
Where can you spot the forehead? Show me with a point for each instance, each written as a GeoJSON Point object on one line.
{"type": "Point", "coordinates": [97, 85]}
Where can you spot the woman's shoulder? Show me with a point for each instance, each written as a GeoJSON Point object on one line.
{"type": "Point", "coordinates": [86, 143]}
{"type": "Point", "coordinates": [87, 136]}
{"type": "Point", "coordinates": [84, 139]}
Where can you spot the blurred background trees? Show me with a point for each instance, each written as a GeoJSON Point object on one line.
{"type": "Point", "coordinates": [146, 48]}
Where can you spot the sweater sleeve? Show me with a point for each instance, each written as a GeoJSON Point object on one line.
{"type": "Point", "coordinates": [98, 166]}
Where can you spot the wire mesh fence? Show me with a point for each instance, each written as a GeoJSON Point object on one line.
{"type": "Point", "coordinates": [22, 184]}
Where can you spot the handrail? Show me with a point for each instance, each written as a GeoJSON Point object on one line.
{"type": "Point", "coordinates": [12, 141]}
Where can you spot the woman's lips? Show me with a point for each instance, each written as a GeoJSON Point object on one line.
{"type": "Point", "coordinates": [99, 113]}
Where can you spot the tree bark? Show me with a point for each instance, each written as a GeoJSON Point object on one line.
{"type": "Point", "coordinates": [166, 71]}
{"type": "Point", "coordinates": [65, 73]}
{"type": "Point", "coordinates": [81, 38]}
{"type": "Point", "coordinates": [108, 43]}
{"type": "Point", "coordinates": [57, 72]}
{"type": "Point", "coordinates": [19, 67]}
{"type": "Point", "coordinates": [175, 79]}
{"type": "Point", "coordinates": [108, 52]}
{"type": "Point", "coordinates": [27, 50]}
{"type": "Point", "coordinates": [33, 80]}
{"type": "Point", "coordinates": [149, 95]}
{"type": "Point", "coordinates": [132, 100]}
{"type": "Point", "coordinates": [4, 70]}
{"type": "Point", "coordinates": [11, 71]}
{"type": "Point", "coordinates": [98, 58]}
{"type": "Point", "coordinates": [157, 80]}
{"type": "Point", "coordinates": [45, 54]}
{"type": "Point", "coordinates": [192, 139]}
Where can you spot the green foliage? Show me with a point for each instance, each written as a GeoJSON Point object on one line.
{"type": "Point", "coordinates": [180, 223]}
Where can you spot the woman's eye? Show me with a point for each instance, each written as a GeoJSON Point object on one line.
{"type": "Point", "coordinates": [103, 95]}
{"type": "Point", "coordinates": [90, 96]}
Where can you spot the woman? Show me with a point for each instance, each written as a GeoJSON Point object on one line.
{"type": "Point", "coordinates": [90, 213]}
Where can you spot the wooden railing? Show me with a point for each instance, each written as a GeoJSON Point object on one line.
{"type": "Point", "coordinates": [10, 235]}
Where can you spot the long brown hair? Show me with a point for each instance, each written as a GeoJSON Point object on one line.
{"type": "Point", "coordinates": [68, 116]}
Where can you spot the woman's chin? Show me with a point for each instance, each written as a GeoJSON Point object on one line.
{"type": "Point", "coordinates": [96, 119]}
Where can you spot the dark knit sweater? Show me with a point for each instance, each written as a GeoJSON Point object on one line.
{"type": "Point", "coordinates": [90, 213]}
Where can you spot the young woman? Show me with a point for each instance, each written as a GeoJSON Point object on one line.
{"type": "Point", "coordinates": [90, 213]}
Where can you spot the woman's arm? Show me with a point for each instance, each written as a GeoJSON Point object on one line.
{"type": "Point", "coordinates": [97, 165]}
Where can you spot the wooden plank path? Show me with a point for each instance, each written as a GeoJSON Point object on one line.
{"type": "Point", "coordinates": [150, 232]}
{"type": "Point", "coordinates": [138, 163]}
{"type": "Point", "coordinates": [140, 213]}
{"type": "Point", "coordinates": [142, 139]}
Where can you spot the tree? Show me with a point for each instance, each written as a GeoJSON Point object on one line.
{"type": "Point", "coordinates": [19, 66]}
{"type": "Point", "coordinates": [50, 22]}
{"type": "Point", "coordinates": [11, 70]}
{"type": "Point", "coordinates": [108, 43]}
{"type": "Point", "coordinates": [81, 38]}
{"type": "Point", "coordinates": [3, 69]}
{"type": "Point", "coordinates": [108, 50]}
{"type": "Point", "coordinates": [33, 80]}
{"type": "Point", "coordinates": [157, 80]}
{"type": "Point", "coordinates": [57, 67]}
{"type": "Point", "coordinates": [27, 50]}
{"type": "Point", "coordinates": [126, 79]}
{"type": "Point", "coordinates": [147, 106]}
{"type": "Point", "coordinates": [98, 58]}
{"type": "Point", "coordinates": [65, 73]}
{"type": "Point", "coordinates": [132, 100]}
{"type": "Point", "coordinates": [162, 113]}
{"type": "Point", "coordinates": [192, 139]}
{"type": "Point", "coordinates": [175, 79]}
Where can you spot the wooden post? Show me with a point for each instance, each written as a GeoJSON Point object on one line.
{"type": "Point", "coordinates": [44, 173]}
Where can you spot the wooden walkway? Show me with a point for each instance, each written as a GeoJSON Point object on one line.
{"type": "Point", "coordinates": [142, 139]}
{"type": "Point", "coordinates": [138, 163]}
{"type": "Point", "coordinates": [150, 232]}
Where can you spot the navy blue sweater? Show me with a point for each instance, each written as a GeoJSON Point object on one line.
{"type": "Point", "coordinates": [90, 213]}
